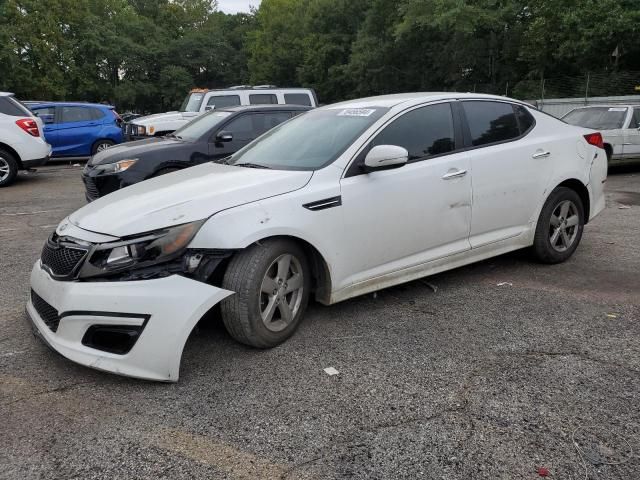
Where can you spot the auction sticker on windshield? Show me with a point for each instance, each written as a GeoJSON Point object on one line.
{"type": "Point", "coordinates": [356, 112]}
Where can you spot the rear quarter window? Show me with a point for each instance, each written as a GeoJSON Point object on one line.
{"type": "Point", "coordinates": [297, 99]}
{"type": "Point", "coordinates": [11, 107]}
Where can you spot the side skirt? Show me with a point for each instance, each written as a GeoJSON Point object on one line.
{"type": "Point", "coordinates": [431, 268]}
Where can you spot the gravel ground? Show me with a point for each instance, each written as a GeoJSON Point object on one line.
{"type": "Point", "coordinates": [474, 380]}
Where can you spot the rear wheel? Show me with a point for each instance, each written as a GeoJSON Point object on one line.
{"type": "Point", "coordinates": [101, 145]}
{"type": "Point", "coordinates": [8, 168]}
{"type": "Point", "coordinates": [560, 226]}
{"type": "Point", "coordinates": [271, 281]}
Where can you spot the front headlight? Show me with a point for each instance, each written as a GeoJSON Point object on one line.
{"type": "Point", "coordinates": [150, 249]}
{"type": "Point", "coordinates": [141, 130]}
{"type": "Point", "coordinates": [117, 167]}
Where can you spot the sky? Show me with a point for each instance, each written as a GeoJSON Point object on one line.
{"type": "Point", "coordinates": [235, 6]}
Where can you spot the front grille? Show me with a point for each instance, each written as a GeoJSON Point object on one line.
{"type": "Point", "coordinates": [92, 189]}
{"type": "Point", "coordinates": [130, 129]}
{"type": "Point", "coordinates": [60, 259]}
{"type": "Point", "coordinates": [48, 314]}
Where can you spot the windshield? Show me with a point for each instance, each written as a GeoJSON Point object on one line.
{"type": "Point", "coordinates": [201, 125]}
{"type": "Point", "coordinates": [310, 141]}
{"type": "Point", "coordinates": [598, 118]}
{"type": "Point", "coordinates": [192, 102]}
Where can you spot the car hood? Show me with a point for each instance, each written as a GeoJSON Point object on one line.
{"type": "Point", "coordinates": [185, 196]}
{"type": "Point", "coordinates": [135, 149]}
{"type": "Point", "coordinates": [164, 117]}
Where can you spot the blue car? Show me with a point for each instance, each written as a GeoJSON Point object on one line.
{"type": "Point", "coordinates": [78, 129]}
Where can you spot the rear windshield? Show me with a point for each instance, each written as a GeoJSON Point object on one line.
{"type": "Point", "coordinates": [10, 106]}
{"type": "Point", "coordinates": [598, 118]}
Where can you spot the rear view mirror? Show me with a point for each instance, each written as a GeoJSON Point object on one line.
{"type": "Point", "coordinates": [386, 156]}
{"type": "Point", "coordinates": [224, 136]}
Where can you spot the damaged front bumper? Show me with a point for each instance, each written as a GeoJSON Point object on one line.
{"type": "Point", "coordinates": [132, 328]}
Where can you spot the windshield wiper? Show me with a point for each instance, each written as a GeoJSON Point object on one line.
{"type": "Point", "coordinates": [251, 165]}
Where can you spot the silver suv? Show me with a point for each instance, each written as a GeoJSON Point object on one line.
{"type": "Point", "coordinates": [619, 125]}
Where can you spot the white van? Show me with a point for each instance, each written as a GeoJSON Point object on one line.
{"type": "Point", "coordinates": [199, 101]}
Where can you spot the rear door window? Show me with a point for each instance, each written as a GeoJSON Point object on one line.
{"type": "Point", "coordinates": [490, 122]}
{"type": "Point", "coordinates": [297, 99]}
{"type": "Point", "coordinates": [76, 114]}
{"type": "Point", "coordinates": [263, 99]}
{"type": "Point", "coordinates": [223, 101]}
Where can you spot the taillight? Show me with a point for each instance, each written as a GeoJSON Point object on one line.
{"type": "Point", "coordinates": [118, 117]}
{"type": "Point", "coordinates": [595, 139]}
{"type": "Point", "coordinates": [29, 125]}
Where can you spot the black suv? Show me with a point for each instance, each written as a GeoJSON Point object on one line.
{"type": "Point", "coordinates": [212, 136]}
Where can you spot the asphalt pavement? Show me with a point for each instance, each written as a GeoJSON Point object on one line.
{"type": "Point", "coordinates": [506, 369]}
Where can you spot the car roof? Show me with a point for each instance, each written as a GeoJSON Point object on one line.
{"type": "Point", "coordinates": [6, 94]}
{"type": "Point", "coordinates": [264, 108]}
{"type": "Point", "coordinates": [396, 99]}
{"type": "Point", "coordinates": [70, 104]}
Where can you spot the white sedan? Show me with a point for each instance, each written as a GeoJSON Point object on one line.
{"type": "Point", "coordinates": [340, 201]}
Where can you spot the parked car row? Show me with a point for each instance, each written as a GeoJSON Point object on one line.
{"type": "Point", "coordinates": [330, 203]}
{"type": "Point", "coordinates": [200, 101]}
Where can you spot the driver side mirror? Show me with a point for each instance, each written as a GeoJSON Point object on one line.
{"type": "Point", "coordinates": [208, 108]}
{"type": "Point", "coordinates": [386, 156]}
{"type": "Point", "coordinates": [224, 137]}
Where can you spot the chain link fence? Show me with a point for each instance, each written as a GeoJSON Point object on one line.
{"type": "Point", "coordinates": [558, 95]}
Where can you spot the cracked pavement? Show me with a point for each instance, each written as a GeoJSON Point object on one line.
{"type": "Point", "coordinates": [471, 381]}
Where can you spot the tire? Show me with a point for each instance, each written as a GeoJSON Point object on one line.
{"type": "Point", "coordinates": [100, 145]}
{"type": "Point", "coordinates": [164, 171]}
{"type": "Point", "coordinates": [555, 242]}
{"type": "Point", "coordinates": [8, 168]}
{"type": "Point", "coordinates": [242, 313]}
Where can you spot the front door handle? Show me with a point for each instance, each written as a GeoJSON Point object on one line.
{"type": "Point", "coordinates": [541, 154]}
{"type": "Point", "coordinates": [454, 174]}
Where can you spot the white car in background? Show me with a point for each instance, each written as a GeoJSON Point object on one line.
{"type": "Point", "coordinates": [200, 101]}
{"type": "Point", "coordinates": [22, 145]}
{"type": "Point", "coordinates": [338, 202]}
{"type": "Point", "coordinates": [619, 125]}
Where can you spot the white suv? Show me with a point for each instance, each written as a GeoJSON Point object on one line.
{"type": "Point", "coordinates": [21, 142]}
{"type": "Point", "coordinates": [199, 101]}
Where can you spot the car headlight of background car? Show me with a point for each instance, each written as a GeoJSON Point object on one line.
{"type": "Point", "coordinates": [147, 250]}
{"type": "Point", "coordinates": [117, 167]}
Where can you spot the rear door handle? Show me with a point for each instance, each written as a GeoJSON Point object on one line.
{"type": "Point", "coordinates": [541, 154]}
{"type": "Point", "coordinates": [454, 174]}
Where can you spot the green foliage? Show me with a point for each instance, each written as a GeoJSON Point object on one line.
{"type": "Point", "coordinates": [146, 54]}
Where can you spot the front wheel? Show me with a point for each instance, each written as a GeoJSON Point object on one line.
{"type": "Point", "coordinates": [560, 226]}
{"type": "Point", "coordinates": [271, 281]}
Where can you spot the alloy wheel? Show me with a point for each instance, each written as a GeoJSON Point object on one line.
{"type": "Point", "coordinates": [5, 170]}
{"type": "Point", "coordinates": [102, 146]}
{"type": "Point", "coordinates": [563, 226]}
{"type": "Point", "coordinates": [281, 292]}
